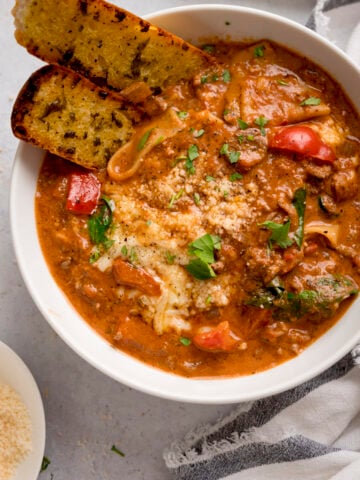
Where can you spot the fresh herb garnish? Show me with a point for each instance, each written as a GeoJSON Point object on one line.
{"type": "Point", "coordinates": [208, 300]}
{"type": "Point", "coordinates": [192, 154]}
{"type": "Point", "coordinates": [133, 255]}
{"type": "Point", "coordinates": [208, 48]}
{"type": "Point", "coordinates": [203, 248]}
{"type": "Point", "coordinates": [182, 115]}
{"type": "Point", "coordinates": [175, 197]}
{"type": "Point", "coordinates": [232, 155]}
{"type": "Point", "coordinates": [259, 51]}
{"type": "Point", "coordinates": [116, 450]}
{"type": "Point", "coordinates": [282, 82]}
{"type": "Point", "coordinates": [235, 176]}
{"type": "Point", "coordinates": [44, 464]}
{"type": "Point", "coordinates": [209, 178]}
{"type": "Point", "coordinates": [311, 101]}
{"type": "Point", "coordinates": [185, 341]}
{"type": "Point", "coordinates": [261, 122]}
{"type": "Point", "coordinates": [299, 203]}
{"type": "Point", "coordinates": [144, 139]}
{"type": "Point", "coordinates": [124, 250]}
{"type": "Point", "coordinates": [170, 258]}
{"type": "Point", "coordinates": [226, 76]}
{"type": "Point", "coordinates": [243, 125]}
{"type": "Point", "coordinates": [200, 269]}
{"type": "Point", "coordinates": [98, 224]}
{"type": "Point", "coordinates": [196, 198]}
{"type": "Point", "coordinates": [198, 133]}
{"type": "Point", "coordinates": [279, 233]}
{"type": "Point", "coordinates": [323, 297]}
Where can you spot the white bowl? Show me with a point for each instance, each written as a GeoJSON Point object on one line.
{"type": "Point", "coordinates": [192, 23]}
{"type": "Point", "coordinates": [15, 373]}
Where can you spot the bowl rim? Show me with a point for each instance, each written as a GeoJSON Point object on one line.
{"type": "Point", "coordinates": [141, 376]}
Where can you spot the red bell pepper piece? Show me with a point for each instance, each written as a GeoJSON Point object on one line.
{"type": "Point", "coordinates": [216, 339]}
{"type": "Point", "coordinates": [84, 193]}
{"type": "Point", "coordinates": [304, 140]}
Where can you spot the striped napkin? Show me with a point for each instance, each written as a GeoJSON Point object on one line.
{"type": "Point", "coordinates": [311, 432]}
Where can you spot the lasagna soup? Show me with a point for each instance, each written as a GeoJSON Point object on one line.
{"type": "Point", "coordinates": [224, 237]}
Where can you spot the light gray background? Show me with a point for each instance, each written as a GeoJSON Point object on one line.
{"type": "Point", "coordinates": [86, 412]}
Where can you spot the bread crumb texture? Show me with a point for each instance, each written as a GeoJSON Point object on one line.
{"type": "Point", "coordinates": [15, 431]}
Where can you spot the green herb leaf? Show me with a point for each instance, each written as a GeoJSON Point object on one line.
{"type": "Point", "coordinates": [259, 51]}
{"type": "Point", "coordinates": [124, 250]}
{"type": "Point", "coordinates": [208, 48]}
{"type": "Point", "coordinates": [196, 198]}
{"type": "Point", "coordinates": [100, 222]}
{"type": "Point", "coordinates": [182, 115]}
{"type": "Point", "coordinates": [279, 233]}
{"type": "Point", "coordinates": [185, 341]}
{"type": "Point", "coordinates": [209, 178]}
{"type": "Point", "coordinates": [282, 82]}
{"type": "Point", "coordinates": [192, 154]}
{"type": "Point", "coordinates": [203, 247]}
{"type": "Point", "coordinates": [311, 101]}
{"type": "Point", "coordinates": [226, 76]}
{"type": "Point", "coordinates": [175, 197]}
{"type": "Point", "coordinates": [235, 176]}
{"type": "Point", "coordinates": [204, 79]}
{"type": "Point", "coordinates": [243, 125]}
{"type": "Point", "coordinates": [232, 155]}
{"type": "Point", "coordinates": [261, 122]}
{"type": "Point", "coordinates": [198, 133]}
{"type": "Point", "coordinates": [299, 203]}
{"type": "Point", "coordinates": [116, 450]}
{"type": "Point", "coordinates": [170, 258]}
{"type": "Point", "coordinates": [44, 464]}
{"type": "Point", "coordinates": [144, 139]}
{"type": "Point", "coordinates": [200, 269]}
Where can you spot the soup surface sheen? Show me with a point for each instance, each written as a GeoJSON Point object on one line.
{"type": "Point", "coordinates": [226, 238]}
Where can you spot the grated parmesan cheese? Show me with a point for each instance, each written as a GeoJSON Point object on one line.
{"type": "Point", "coordinates": [15, 431]}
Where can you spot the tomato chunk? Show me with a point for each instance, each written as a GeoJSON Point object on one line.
{"type": "Point", "coordinates": [84, 193]}
{"type": "Point", "coordinates": [216, 339]}
{"type": "Point", "coordinates": [304, 140]}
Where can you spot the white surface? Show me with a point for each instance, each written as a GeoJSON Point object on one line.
{"type": "Point", "coordinates": [15, 373]}
{"type": "Point", "coordinates": [238, 23]}
{"type": "Point", "coordinates": [86, 412]}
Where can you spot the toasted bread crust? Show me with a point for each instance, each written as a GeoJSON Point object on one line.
{"type": "Point", "coordinates": [110, 46]}
{"type": "Point", "coordinates": [64, 113]}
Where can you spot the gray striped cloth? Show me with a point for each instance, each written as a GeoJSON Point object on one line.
{"type": "Point", "coordinates": [311, 432]}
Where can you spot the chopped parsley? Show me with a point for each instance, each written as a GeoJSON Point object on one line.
{"type": "Point", "coordinates": [208, 300]}
{"type": "Point", "coordinates": [282, 82]}
{"type": "Point", "coordinates": [259, 51]}
{"type": "Point", "coordinates": [185, 341]}
{"type": "Point", "coordinates": [243, 125]}
{"type": "Point", "coordinates": [232, 155]}
{"type": "Point", "coordinates": [192, 154]}
{"type": "Point", "coordinates": [144, 139]}
{"type": "Point", "coordinates": [226, 76]}
{"type": "Point", "coordinates": [279, 233]}
{"type": "Point", "coordinates": [124, 250]}
{"type": "Point", "coordinates": [209, 178]}
{"type": "Point", "coordinates": [299, 203]}
{"type": "Point", "coordinates": [196, 198]}
{"type": "Point", "coordinates": [235, 176]}
{"type": "Point", "coordinates": [175, 197]}
{"type": "Point", "coordinates": [261, 122]}
{"type": "Point", "coordinates": [98, 224]}
{"type": "Point", "coordinates": [170, 258]}
{"type": "Point", "coordinates": [182, 115]}
{"type": "Point", "coordinates": [116, 450]}
{"type": "Point", "coordinates": [208, 48]}
{"type": "Point", "coordinates": [198, 133]}
{"type": "Point", "coordinates": [44, 464]}
{"type": "Point", "coordinates": [311, 101]}
{"type": "Point", "coordinates": [203, 248]}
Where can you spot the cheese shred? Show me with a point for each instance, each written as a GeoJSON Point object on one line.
{"type": "Point", "coordinates": [15, 431]}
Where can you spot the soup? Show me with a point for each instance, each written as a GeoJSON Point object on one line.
{"type": "Point", "coordinates": [223, 239]}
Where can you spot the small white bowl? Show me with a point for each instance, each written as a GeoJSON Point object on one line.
{"type": "Point", "coordinates": [15, 373]}
{"type": "Point", "coordinates": [192, 23]}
